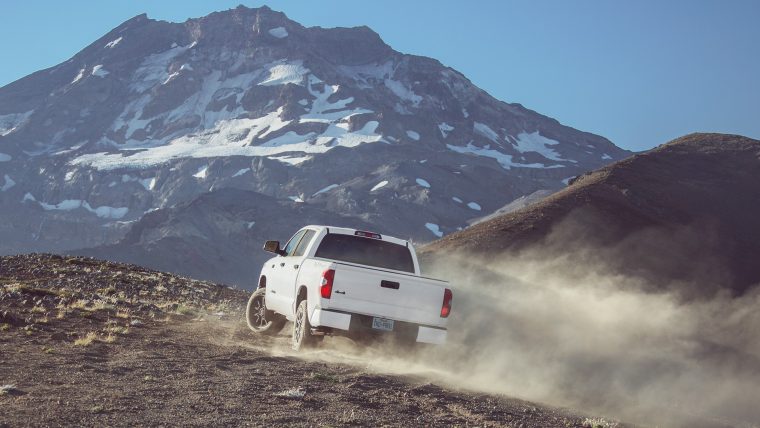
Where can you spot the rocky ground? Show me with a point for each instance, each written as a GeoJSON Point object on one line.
{"type": "Point", "coordinates": [90, 343]}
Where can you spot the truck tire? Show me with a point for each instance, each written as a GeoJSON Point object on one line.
{"type": "Point", "coordinates": [259, 318]}
{"type": "Point", "coordinates": [302, 337]}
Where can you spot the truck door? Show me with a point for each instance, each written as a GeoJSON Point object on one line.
{"type": "Point", "coordinates": [280, 288]}
{"type": "Point", "coordinates": [298, 257]}
{"type": "Point", "coordinates": [279, 275]}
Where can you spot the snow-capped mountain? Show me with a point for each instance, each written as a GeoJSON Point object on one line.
{"type": "Point", "coordinates": [154, 114]}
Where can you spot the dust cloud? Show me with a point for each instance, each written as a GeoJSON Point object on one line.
{"type": "Point", "coordinates": [564, 333]}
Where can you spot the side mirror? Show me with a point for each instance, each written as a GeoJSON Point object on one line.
{"type": "Point", "coordinates": [273, 247]}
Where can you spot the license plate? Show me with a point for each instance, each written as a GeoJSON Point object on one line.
{"type": "Point", "coordinates": [382, 324]}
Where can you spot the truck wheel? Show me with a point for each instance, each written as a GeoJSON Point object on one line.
{"type": "Point", "coordinates": [259, 318]}
{"type": "Point", "coordinates": [302, 337]}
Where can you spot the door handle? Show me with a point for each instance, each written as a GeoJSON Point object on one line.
{"type": "Point", "coordinates": [295, 266]}
{"type": "Point", "coordinates": [340, 292]}
{"type": "Point", "coordinates": [282, 264]}
{"type": "Point", "coordinates": [389, 284]}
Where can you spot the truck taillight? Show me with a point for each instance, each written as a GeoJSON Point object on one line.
{"type": "Point", "coordinates": [327, 283]}
{"type": "Point", "coordinates": [446, 307]}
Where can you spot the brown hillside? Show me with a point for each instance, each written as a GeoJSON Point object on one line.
{"type": "Point", "coordinates": [687, 210]}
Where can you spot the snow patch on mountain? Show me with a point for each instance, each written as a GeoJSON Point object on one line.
{"type": "Point", "coordinates": [112, 44]}
{"type": "Point", "coordinates": [8, 183]}
{"type": "Point", "coordinates": [503, 159]}
{"type": "Point", "coordinates": [321, 105]}
{"type": "Point", "coordinates": [368, 75]}
{"type": "Point", "coordinates": [423, 183]}
{"type": "Point", "coordinates": [214, 123]}
{"type": "Point", "coordinates": [413, 135]}
{"type": "Point", "coordinates": [339, 135]}
{"type": "Point", "coordinates": [70, 149]}
{"type": "Point", "coordinates": [79, 76]}
{"type": "Point", "coordinates": [297, 199]}
{"type": "Point", "coordinates": [379, 185]}
{"type": "Point", "coordinates": [148, 183]}
{"type": "Point", "coordinates": [10, 123]}
{"type": "Point", "coordinates": [213, 85]}
{"type": "Point", "coordinates": [474, 206]}
{"type": "Point", "coordinates": [126, 178]}
{"type": "Point", "coordinates": [434, 228]}
{"type": "Point", "coordinates": [131, 117]}
{"type": "Point", "coordinates": [403, 92]}
{"type": "Point", "coordinates": [283, 72]}
{"type": "Point", "coordinates": [326, 189]}
{"type": "Point", "coordinates": [102, 211]}
{"type": "Point", "coordinates": [5, 158]}
{"type": "Point", "coordinates": [99, 71]}
{"type": "Point", "coordinates": [154, 68]}
{"type": "Point", "coordinates": [456, 199]}
{"type": "Point", "coordinates": [445, 128]}
{"type": "Point", "coordinates": [398, 108]}
{"type": "Point", "coordinates": [202, 172]}
{"type": "Point", "coordinates": [172, 76]}
{"type": "Point", "coordinates": [486, 131]}
{"type": "Point", "coordinates": [290, 160]}
{"type": "Point", "coordinates": [241, 172]}
{"type": "Point", "coordinates": [535, 142]}
{"type": "Point", "coordinates": [72, 204]}
{"type": "Point", "coordinates": [279, 32]}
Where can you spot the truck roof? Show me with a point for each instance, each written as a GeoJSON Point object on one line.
{"type": "Point", "coordinates": [349, 231]}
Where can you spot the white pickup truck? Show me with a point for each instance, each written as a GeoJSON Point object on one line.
{"type": "Point", "coordinates": [338, 281]}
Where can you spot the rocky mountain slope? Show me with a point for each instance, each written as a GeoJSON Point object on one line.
{"type": "Point", "coordinates": [154, 114]}
{"type": "Point", "coordinates": [215, 236]}
{"type": "Point", "coordinates": [684, 212]}
{"type": "Point", "coordinates": [85, 342]}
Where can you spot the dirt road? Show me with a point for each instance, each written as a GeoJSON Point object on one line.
{"type": "Point", "coordinates": [203, 373]}
{"type": "Point", "coordinates": [82, 345]}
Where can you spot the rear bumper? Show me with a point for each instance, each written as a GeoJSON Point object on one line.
{"type": "Point", "coordinates": [356, 323]}
{"type": "Point", "coordinates": [433, 335]}
{"type": "Point", "coordinates": [325, 318]}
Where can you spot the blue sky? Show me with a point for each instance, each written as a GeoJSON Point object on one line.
{"type": "Point", "coordinates": [638, 72]}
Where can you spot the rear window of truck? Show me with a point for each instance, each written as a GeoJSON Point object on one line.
{"type": "Point", "coordinates": [366, 251]}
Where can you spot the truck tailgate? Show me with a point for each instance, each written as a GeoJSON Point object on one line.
{"type": "Point", "coordinates": [387, 294]}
